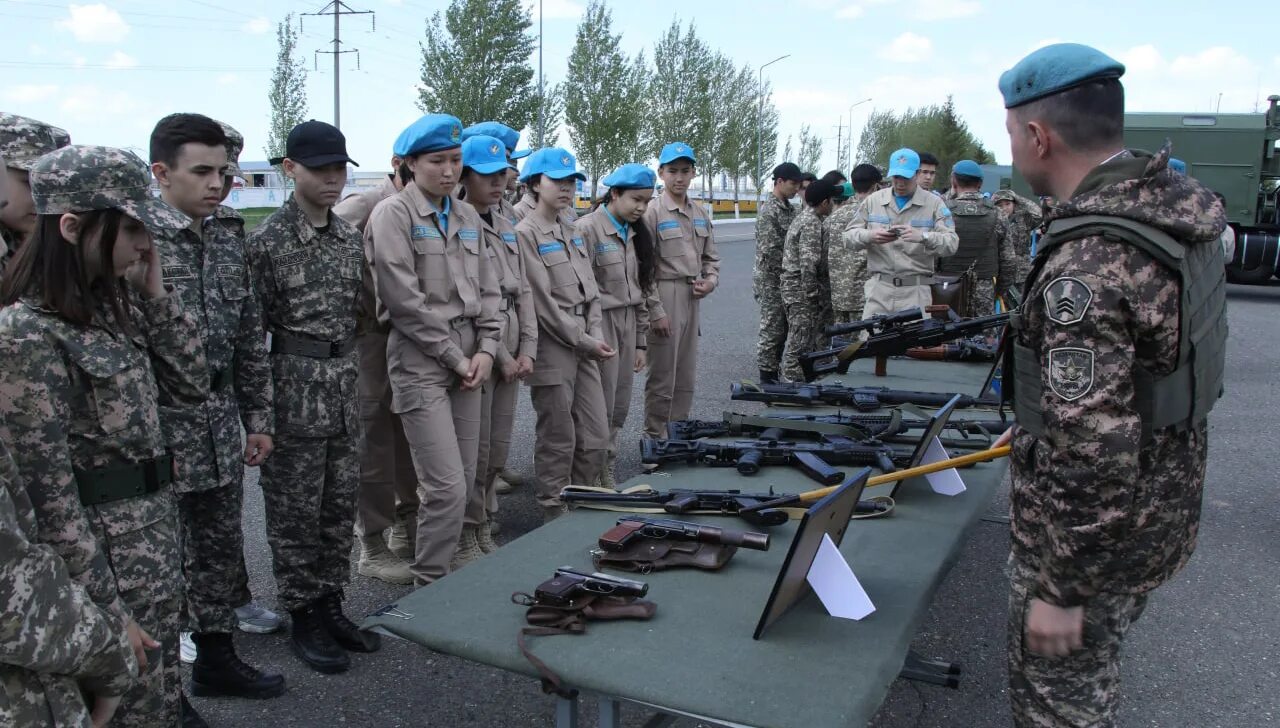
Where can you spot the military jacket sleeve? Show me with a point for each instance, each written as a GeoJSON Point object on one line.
{"type": "Point", "coordinates": [251, 364]}
{"type": "Point", "coordinates": [1097, 307]}
{"type": "Point", "coordinates": [50, 625]}
{"type": "Point", "coordinates": [177, 358]}
{"type": "Point", "coordinates": [652, 302]}
{"type": "Point", "coordinates": [857, 235]}
{"type": "Point", "coordinates": [1007, 275]}
{"type": "Point", "coordinates": [943, 240]}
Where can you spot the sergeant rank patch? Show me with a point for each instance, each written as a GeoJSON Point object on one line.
{"type": "Point", "coordinates": [1066, 299]}
{"type": "Point", "coordinates": [1070, 372]}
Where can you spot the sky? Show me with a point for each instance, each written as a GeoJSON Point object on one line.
{"type": "Point", "coordinates": [106, 71]}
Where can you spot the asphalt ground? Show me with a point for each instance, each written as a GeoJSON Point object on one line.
{"type": "Point", "coordinates": [1206, 654]}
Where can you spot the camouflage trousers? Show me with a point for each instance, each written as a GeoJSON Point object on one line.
{"type": "Point", "coordinates": [1078, 690]}
{"type": "Point", "coordinates": [804, 334]}
{"type": "Point", "coordinates": [155, 699]}
{"type": "Point", "coordinates": [309, 490]}
{"type": "Point", "coordinates": [846, 317]}
{"type": "Point", "coordinates": [984, 297]}
{"type": "Point", "coordinates": [213, 557]}
{"type": "Point", "coordinates": [773, 331]}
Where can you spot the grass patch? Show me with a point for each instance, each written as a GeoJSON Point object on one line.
{"type": "Point", "coordinates": [253, 216]}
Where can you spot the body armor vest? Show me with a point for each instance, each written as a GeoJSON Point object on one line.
{"type": "Point", "coordinates": [1181, 398]}
{"type": "Point", "coordinates": [976, 222]}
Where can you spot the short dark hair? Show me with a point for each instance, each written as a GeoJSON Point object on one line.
{"type": "Point", "coordinates": [55, 273]}
{"type": "Point", "coordinates": [964, 181]}
{"type": "Point", "coordinates": [1088, 117]}
{"type": "Point", "coordinates": [928, 158]}
{"type": "Point", "coordinates": [835, 176]}
{"type": "Point", "coordinates": [174, 130]}
{"type": "Point", "coordinates": [864, 186]}
{"type": "Point", "coordinates": [820, 191]}
{"type": "Point", "coordinates": [808, 177]}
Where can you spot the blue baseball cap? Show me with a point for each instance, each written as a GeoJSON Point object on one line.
{"type": "Point", "coordinates": [904, 163]}
{"type": "Point", "coordinates": [631, 177]}
{"type": "Point", "coordinates": [967, 168]}
{"type": "Point", "coordinates": [1178, 165]}
{"type": "Point", "coordinates": [484, 155]}
{"type": "Point", "coordinates": [431, 133]}
{"type": "Point", "coordinates": [553, 162]}
{"type": "Point", "coordinates": [495, 129]}
{"type": "Point", "coordinates": [1054, 69]}
{"type": "Point", "coordinates": [676, 150]}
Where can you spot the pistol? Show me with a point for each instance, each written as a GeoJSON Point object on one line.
{"type": "Point", "coordinates": [569, 584]}
{"type": "Point", "coordinates": [631, 528]}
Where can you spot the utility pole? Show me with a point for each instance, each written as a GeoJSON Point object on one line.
{"type": "Point", "coordinates": [840, 144]}
{"type": "Point", "coordinates": [337, 9]}
{"type": "Point", "coordinates": [759, 115]}
{"type": "Point", "coordinates": [851, 108]}
{"type": "Point", "coordinates": [542, 99]}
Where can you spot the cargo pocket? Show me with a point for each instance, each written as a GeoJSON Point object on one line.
{"type": "Point", "coordinates": [118, 390]}
{"type": "Point", "coordinates": [140, 540]}
{"type": "Point", "coordinates": [232, 282]}
{"type": "Point", "coordinates": [432, 263]}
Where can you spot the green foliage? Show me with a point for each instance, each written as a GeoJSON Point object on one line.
{"type": "Point", "coordinates": [762, 108]}
{"type": "Point", "coordinates": [475, 63]}
{"type": "Point", "coordinates": [936, 129]}
{"type": "Point", "coordinates": [810, 150]}
{"type": "Point", "coordinates": [603, 96]}
{"type": "Point", "coordinates": [288, 94]}
{"type": "Point", "coordinates": [679, 91]}
{"type": "Point", "coordinates": [544, 130]}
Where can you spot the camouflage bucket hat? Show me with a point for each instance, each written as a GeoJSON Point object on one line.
{"type": "Point", "coordinates": [235, 145]}
{"type": "Point", "coordinates": [24, 140]}
{"type": "Point", "coordinates": [1003, 196]}
{"type": "Point", "coordinates": [81, 178]}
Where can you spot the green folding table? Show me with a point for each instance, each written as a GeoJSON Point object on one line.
{"type": "Point", "coordinates": [696, 656]}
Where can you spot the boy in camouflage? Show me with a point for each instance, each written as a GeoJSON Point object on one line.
{"type": "Point", "coordinates": [804, 282]}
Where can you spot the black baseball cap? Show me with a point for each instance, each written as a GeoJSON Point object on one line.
{"type": "Point", "coordinates": [788, 171]}
{"type": "Point", "coordinates": [315, 144]}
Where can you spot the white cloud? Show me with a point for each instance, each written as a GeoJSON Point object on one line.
{"type": "Point", "coordinates": [120, 59]}
{"type": "Point", "coordinates": [945, 9]}
{"type": "Point", "coordinates": [1212, 63]}
{"type": "Point", "coordinates": [908, 48]}
{"type": "Point", "coordinates": [257, 26]}
{"type": "Point", "coordinates": [1142, 59]}
{"type": "Point", "coordinates": [29, 93]}
{"type": "Point", "coordinates": [95, 24]}
{"type": "Point", "coordinates": [94, 102]}
{"type": "Point", "coordinates": [849, 12]}
{"type": "Point", "coordinates": [558, 10]}
{"type": "Point", "coordinates": [794, 98]}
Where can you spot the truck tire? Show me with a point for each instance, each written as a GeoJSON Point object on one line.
{"type": "Point", "coordinates": [1254, 262]}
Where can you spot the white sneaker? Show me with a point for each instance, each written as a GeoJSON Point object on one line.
{"type": "Point", "coordinates": [257, 620]}
{"type": "Point", "coordinates": [186, 648]}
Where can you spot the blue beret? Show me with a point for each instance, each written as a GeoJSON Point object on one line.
{"type": "Point", "coordinates": [1053, 69]}
{"type": "Point", "coordinates": [676, 150]}
{"type": "Point", "coordinates": [904, 163]}
{"type": "Point", "coordinates": [967, 168]}
{"type": "Point", "coordinates": [1178, 165]}
{"type": "Point", "coordinates": [484, 155]}
{"type": "Point", "coordinates": [431, 133]}
{"type": "Point", "coordinates": [631, 177]}
{"type": "Point", "coordinates": [553, 162]}
{"type": "Point", "coordinates": [496, 129]}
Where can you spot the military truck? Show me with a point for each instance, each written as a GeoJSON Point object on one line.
{"type": "Point", "coordinates": [1235, 155]}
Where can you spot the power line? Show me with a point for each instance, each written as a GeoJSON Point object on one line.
{"type": "Point", "coordinates": [337, 9]}
{"type": "Point", "coordinates": [109, 67]}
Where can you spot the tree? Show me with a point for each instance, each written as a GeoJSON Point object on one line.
{"type": "Point", "coordinates": [552, 111]}
{"type": "Point", "coordinates": [288, 94]}
{"type": "Point", "coordinates": [810, 150]}
{"type": "Point", "coordinates": [761, 98]}
{"type": "Point", "coordinates": [679, 90]}
{"type": "Point", "coordinates": [936, 129]}
{"type": "Point", "coordinates": [739, 109]}
{"type": "Point", "coordinates": [787, 154]}
{"type": "Point", "coordinates": [603, 96]}
{"type": "Point", "coordinates": [475, 63]}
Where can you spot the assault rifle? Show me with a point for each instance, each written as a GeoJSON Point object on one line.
{"type": "Point", "coordinates": [860, 426]}
{"type": "Point", "coordinates": [876, 323]}
{"type": "Point", "coordinates": [814, 459]}
{"type": "Point", "coordinates": [864, 399]}
{"type": "Point", "coordinates": [976, 348]}
{"type": "Point", "coordinates": [678, 501]}
{"type": "Point", "coordinates": [893, 338]}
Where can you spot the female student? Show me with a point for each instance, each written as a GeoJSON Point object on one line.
{"type": "Point", "coordinates": [85, 371]}
{"type": "Point", "coordinates": [572, 436]}
{"type": "Point", "coordinates": [622, 257]}
{"type": "Point", "coordinates": [440, 296]}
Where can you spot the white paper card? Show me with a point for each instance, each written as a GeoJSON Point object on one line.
{"type": "Point", "coordinates": [835, 584]}
{"type": "Point", "coordinates": [946, 482]}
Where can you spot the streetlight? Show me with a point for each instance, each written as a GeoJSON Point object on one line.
{"type": "Point", "coordinates": [759, 114]}
{"type": "Point", "coordinates": [860, 103]}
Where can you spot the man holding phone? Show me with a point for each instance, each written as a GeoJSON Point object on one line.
{"type": "Point", "coordinates": [905, 229]}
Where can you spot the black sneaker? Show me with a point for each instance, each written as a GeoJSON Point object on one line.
{"type": "Point", "coordinates": [312, 642]}
{"type": "Point", "coordinates": [219, 672]}
{"type": "Point", "coordinates": [343, 630]}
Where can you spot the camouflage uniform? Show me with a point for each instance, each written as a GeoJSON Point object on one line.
{"type": "Point", "coordinates": [54, 638]}
{"type": "Point", "coordinates": [309, 283]}
{"type": "Point", "coordinates": [22, 142]}
{"type": "Point", "coordinates": [211, 274]}
{"type": "Point", "coordinates": [772, 223]}
{"type": "Point", "coordinates": [805, 288]}
{"type": "Point", "coordinates": [1024, 219]}
{"type": "Point", "coordinates": [226, 216]}
{"type": "Point", "coordinates": [994, 270]}
{"type": "Point", "coordinates": [1101, 517]}
{"type": "Point", "coordinates": [847, 267]}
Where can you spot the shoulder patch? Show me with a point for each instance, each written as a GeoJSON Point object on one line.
{"type": "Point", "coordinates": [1066, 299]}
{"type": "Point", "coordinates": [1070, 372]}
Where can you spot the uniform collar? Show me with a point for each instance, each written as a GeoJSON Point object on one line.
{"type": "Point", "coordinates": [301, 225]}
{"type": "Point", "coordinates": [541, 225]}
{"type": "Point", "coordinates": [669, 202]}
{"type": "Point", "coordinates": [622, 229]}
{"type": "Point", "coordinates": [423, 205]}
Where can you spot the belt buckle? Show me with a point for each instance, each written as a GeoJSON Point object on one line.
{"type": "Point", "coordinates": [335, 349]}
{"type": "Point", "coordinates": [897, 282]}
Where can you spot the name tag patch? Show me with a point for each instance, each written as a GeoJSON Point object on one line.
{"type": "Point", "coordinates": [606, 248]}
{"type": "Point", "coordinates": [551, 247]}
{"type": "Point", "coordinates": [288, 259]}
{"type": "Point", "coordinates": [177, 272]}
{"type": "Point", "coordinates": [424, 231]}
{"type": "Point", "coordinates": [699, 222]}
{"type": "Point", "coordinates": [509, 238]}
{"type": "Point", "coordinates": [468, 234]}
{"type": "Point", "coordinates": [577, 242]}
{"type": "Point", "coordinates": [668, 225]}
{"type": "Point", "coordinates": [230, 271]}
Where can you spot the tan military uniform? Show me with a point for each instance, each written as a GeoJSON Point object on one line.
{"type": "Point", "coordinates": [528, 203]}
{"type": "Point", "coordinates": [686, 248]}
{"type": "Point", "coordinates": [388, 486]}
{"type": "Point", "coordinates": [440, 297]}
{"type": "Point", "coordinates": [519, 338]}
{"type": "Point", "coordinates": [573, 429]}
{"type": "Point", "coordinates": [624, 312]}
{"type": "Point", "coordinates": [900, 273]}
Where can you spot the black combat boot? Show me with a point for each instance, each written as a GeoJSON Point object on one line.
{"type": "Point", "coordinates": [312, 642]}
{"type": "Point", "coordinates": [768, 377]}
{"type": "Point", "coordinates": [218, 671]}
{"type": "Point", "coordinates": [190, 718]}
{"type": "Point", "coordinates": [343, 630]}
